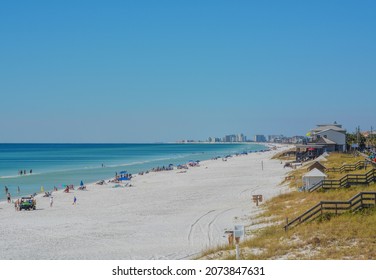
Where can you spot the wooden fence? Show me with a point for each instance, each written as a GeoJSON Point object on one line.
{"type": "Point", "coordinates": [346, 181]}
{"type": "Point", "coordinates": [349, 167]}
{"type": "Point", "coordinates": [359, 201]}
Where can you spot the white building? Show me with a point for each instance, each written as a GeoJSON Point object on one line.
{"type": "Point", "coordinates": [312, 178]}
{"type": "Point", "coordinates": [331, 135]}
{"type": "Point", "coordinates": [241, 138]}
{"type": "Point", "coordinates": [211, 139]}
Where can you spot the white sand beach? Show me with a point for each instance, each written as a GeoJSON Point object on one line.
{"type": "Point", "coordinates": [165, 215]}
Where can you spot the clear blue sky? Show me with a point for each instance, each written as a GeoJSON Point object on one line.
{"type": "Point", "coordinates": [145, 71]}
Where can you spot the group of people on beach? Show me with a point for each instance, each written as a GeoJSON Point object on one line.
{"type": "Point", "coordinates": [159, 169]}
{"type": "Point", "coordinates": [163, 168]}
{"type": "Point", "coordinates": [20, 201]}
{"type": "Point", "coordinates": [68, 188]}
{"type": "Point", "coordinates": [127, 176]}
{"type": "Point", "coordinates": [48, 194]}
{"type": "Point", "coordinates": [170, 167]}
{"type": "Point", "coordinates": [23, 172]}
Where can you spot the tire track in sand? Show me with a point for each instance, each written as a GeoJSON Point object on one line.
{"type": "Point", "coordinates": [252, 190]}
{"type": "Point", "coordinates": [195, 223]}
{"type": "Point", "coordinates": [210, 225]}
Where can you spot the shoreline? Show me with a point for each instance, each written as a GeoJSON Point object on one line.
{"type": "Point", "coordinates": [49, 178]}
{"type": "Point", "coordinates": [166, 215]}
{"type": "Point", "coordinates": [108, 180]}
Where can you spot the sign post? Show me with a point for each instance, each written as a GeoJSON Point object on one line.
{"type": "Point", "coordinates": [238, 233]}
{"type": "Point", "coordinates": [257, 198]}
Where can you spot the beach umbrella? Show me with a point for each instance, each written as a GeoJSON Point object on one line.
{"type": "Point", "coordinates": [82, 183]}
{"type": "Point", "coordinates": [124, 179]}
{"type": "Point", "coordinates": [123, 172]}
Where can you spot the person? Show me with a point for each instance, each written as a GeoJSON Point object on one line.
{"type": "Point", "coordinates": [31, 171]}
{"type": "Point", "coordinates": [51, 200]}
{"type": "Point", "coordinates": [8, 197]}
{"type": "Point", "coordinates": [74, 201]}
{"type": "Point", "coordinates": [230, 238]}
{"type": "Point", "coordinates": [6, 189]}
{"type": "Point", "coordinates": [18, 189]}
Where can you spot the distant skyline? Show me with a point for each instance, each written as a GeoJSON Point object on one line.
{"type": "Point", "coordinates": [161, 71]}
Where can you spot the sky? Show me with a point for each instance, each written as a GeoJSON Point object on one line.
{"type": "Point", "coordinates": [156, 71]}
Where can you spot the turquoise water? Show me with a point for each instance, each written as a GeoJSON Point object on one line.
{"type": "Point", "coordinates": [60, 164]}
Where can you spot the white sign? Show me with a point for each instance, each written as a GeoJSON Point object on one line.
{"type": "Point", "coordinates": [239, 231]}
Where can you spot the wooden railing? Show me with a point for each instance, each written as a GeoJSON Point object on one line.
{"type": "Point", "coordinates": [346, 181]}
{"type": "Point", "coordinates": [359, 201]}
{"type": "Point", "coordinates": [349, 167]}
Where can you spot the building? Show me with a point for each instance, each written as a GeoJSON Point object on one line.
{"type": "Point", "coordinates": [211, 139]}
{"type": "Point", "coordinates": [312, 178]}
{"type": "Point", "coordinates": [316, 164]}
{"type": "Point", "coordinates": [275, 138]}
{"type": "Point", "coordinates": [332, 136]}
{"type": "Point", "coordinates": [369, 133]}
{"type": "Point", "coordinates": [234, 138]}
{"type": "Point", "coordinates": [298, 139]}
{"type": "Point", "coordinates": [323, 138]}
{"type": "Point", "coordinates": [229, 138]}
{"type": "Point", "coordinates": [241, 138]}
{"type": "Point", "coordinates": [260, 138]}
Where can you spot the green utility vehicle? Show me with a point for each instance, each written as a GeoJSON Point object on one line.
{"type": "Point", "coordinates": [27, 203]}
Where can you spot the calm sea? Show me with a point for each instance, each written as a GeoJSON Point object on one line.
{"type": "Point", "coordinates": [61, 164]}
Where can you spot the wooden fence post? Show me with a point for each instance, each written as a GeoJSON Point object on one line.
{"type": "Point", "coordinates": [287, 224]}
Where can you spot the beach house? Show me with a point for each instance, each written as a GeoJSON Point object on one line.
{"type": "Point", "coordinates": [332, 136]}
{"type": "Point", "coordinates": [323, 138]}
{"type": "Point", "coordinates": [316, 165]}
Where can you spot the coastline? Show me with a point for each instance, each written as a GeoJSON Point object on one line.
{"type": "Point", "coordinates": [65, 164]}
{"type": "Point", "coordinates": [166, 215]}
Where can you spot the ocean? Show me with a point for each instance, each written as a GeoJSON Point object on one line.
{"type": "Point", "coordinates": [55, 165]}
